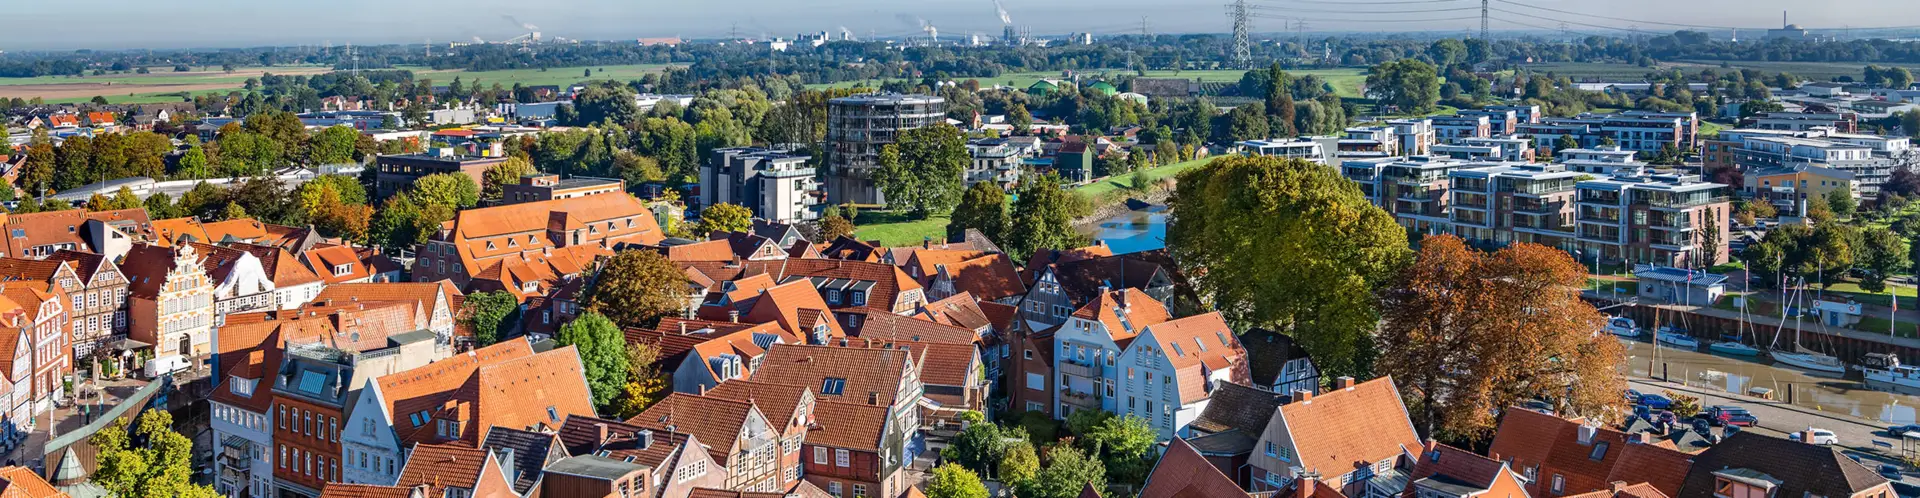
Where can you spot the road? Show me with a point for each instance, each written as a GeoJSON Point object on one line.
{"type": "Point", "coordinates": [1857, 436]}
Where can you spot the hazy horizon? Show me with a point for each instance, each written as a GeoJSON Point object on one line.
{"type": "Point", "coordinates": [127, 24]}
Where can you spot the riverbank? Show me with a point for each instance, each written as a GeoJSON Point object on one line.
{"type": "Point", "coordinates": [1108, 196]}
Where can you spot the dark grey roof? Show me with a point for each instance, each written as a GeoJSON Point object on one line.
{"type": "Point", "coordinates": [1448, 486]}
{"type": "Point", "coordinates": [594, 467]}
{"type": "Point", "coordinates": [1803, 469]}
{"type": "Point", "coordinates": [1227, 443]}
{"type": "Point", "coordinates": [410, 337]}
{"type": "Point", "coordinates": [530, 452]}
{"type": "Point", "coordinates": [1268, 351]}
{"type": "Point", "coordinates": [1237, 407]}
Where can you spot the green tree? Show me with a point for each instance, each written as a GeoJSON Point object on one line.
{"type": "Point", "coordinates": [603, 351]}
{"type": "Point", "coordinates": [983, 207]}
{"type": "Point", "coordinates": [498, 177]}
{"type": "Point", "coordinates": [954, 481]}
{"type": "Point", "coordinates": [1280, 107]}
{"type": "Point", "coordinates": [646, 385]}
{"type": "Point", "coordinates": [977, 448]}
{"type": "Point", "coordinates": [334, 145]}
{"type": "Point", "coordinates": [1565, 142]}
{"type": "Point", "coordinates": [1840, 201]}
{"type": "Point", "coordinates": [160, 206]}
{"type": "Point", "coordinates": [1125, 436]}
{"type": "Point", "coordinates": [1020, 119]}
{"type": "Point", "coordinates": [924, 172]}
{"type": "Point", "coordinates": [1068, 472]}
{"type": "Point", "coordinates": [1409, 84]}
{"type": "Point", "coordinates": [1306, 250]}
{"type": "Point", "coordinates": [1882, 255]}
{"type": "Point", "coordinates": [637, 287]}
{"type": "Point", "coordinates": [1019, 466]}
{"type": "Point", "coordinates": [146, 458]}
{"type": "Point", "coordinates": [124, 199]}
{"type": "Point", "coordinates": [488, 313]}
{"type": "Point", "coordinates": [1247, 122]}
{"type": "Point", "coordinates": [1042, 217]}
{"type": "Point", "coordinates": [455, 190]}
{"type": "Point", "coordinates": [233, 211]}
{"type": "Point", "coordinates": [193, 165]}
{"type": "Point", "coordinates": [723, 217]}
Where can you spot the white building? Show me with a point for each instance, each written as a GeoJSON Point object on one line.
{"type": "Point", "coordinates": [243, 428]}
{"type": "Point", "coordinates": [1087, 365]}
{"type": "Point", "coordinates": [1189, 356]}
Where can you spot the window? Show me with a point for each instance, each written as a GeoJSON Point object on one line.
{"type": "Point", "coordinates": [858, 298]}
{"type": "Point", "coordinates": [833, 386]}
{"type": "Point", "coordinates": [833, 296]}
{"type": "Point", "coordinates": [859, 491]}
{"type": "Point", "coordinates": [1722, 488]}
{"type": "Point", "coordinates": [1036, 382]}
{"type": "Point", "coordinates": [1599, 452]}
{"type": "Point", "coordinates": [1028, 354]}
{"type": "Point", "coordinates": [1035, 406]}
{"type": "Point", "coordinates": [819, 455]}
{"type": "Point", "coordinates": [840, 458]}
{"type": "Point", "coordinates": [833, 488]}
{"type": "Point", "coordinates": [1271, 449]}
{"type": "Point", "coordinates": [1559, 482]}
{"type": "Point", "coordinates": [342, 269]}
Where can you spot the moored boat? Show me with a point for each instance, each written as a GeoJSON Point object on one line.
{"type": "Point", "coordinates": [1677, 338]}
{"type": "Point", "coordinates": [1622, 326]}
{"type": "Point", "coordinates": [1884, 372]}
{"type": "Point", "coordinates": [1734, 349]}
{"type": "Point", "coordinates": [1810, 361]}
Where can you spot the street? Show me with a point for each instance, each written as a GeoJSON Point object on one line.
{"type": "Point", "coordinates": [1777, 418]}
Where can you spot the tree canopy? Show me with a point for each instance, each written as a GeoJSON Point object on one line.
{"type": "Point", "coordinates": [924, 171]}
{"type": "Point", "coordinates": [603, 351]}
{"type": "Point", "coordinates": [637, 287]}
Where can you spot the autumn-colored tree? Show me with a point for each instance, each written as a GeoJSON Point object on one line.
{"type": "Point", "coordinates": [636, 288]}
{"type": "Point", "coordinates": [1467, 333]}
{"type": "Point", "coordinates": [333, 214]}
{"type": "Point", "coordinates": [646, 384]}
{"type": "Point", "coordinates": [833, 227]}
{"type": "Point", "coordinates": [501, 175]}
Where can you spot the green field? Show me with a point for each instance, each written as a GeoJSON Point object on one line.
{"type": "Point", "coordinates": [164, 85]}
{"type": "Point", "coordinates": [1346, 82]}
{"type": "Point", "coordinates": [534, 77]}
{"type": "Point", "coordinates": [165, 76]}
{"type": "Point", "coordinates": [1596, 71]}
{"type": "Point", "coordinates": [141, 98]}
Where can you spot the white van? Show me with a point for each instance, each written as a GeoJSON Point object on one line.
{"type": "Point", "coordinates": [165, 365]}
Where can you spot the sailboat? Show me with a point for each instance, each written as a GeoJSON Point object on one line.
{"type": "Point", "coordinates": [1801, 357]}
{"type": "Point", "coordinates": [1737, 346]}
{"type": "Point", "coordinates": [1677, 337]}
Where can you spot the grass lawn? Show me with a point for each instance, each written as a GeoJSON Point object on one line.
{"type": "Point", "coordinates": [1709, 129]}
{"type": "Point", "coordinates": [1098, 190]}
{"type": "Point", "coordinates": [1877, 324]}
{"type": "Point", "coordinates": [164, 75]}
{"type": "Point", "coordinates": [142, 98]}
{"type": "Point", "coordinates": [893, 229]}
{"type": "Point", "coordinates": [1850, 290]}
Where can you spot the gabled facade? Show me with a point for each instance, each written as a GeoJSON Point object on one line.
{"type": "Point", "coordinates": [242, 423]}
{"type": "Point", "coordinates": [172, 303]}
{"type": "Point", "coordinates": [1088, 350]}
{"type": "Point", "coordinates": [674, 462]}
{"type": "Point", "coordinates": [1346, 436]}
{"type": "Point", "coordinates": [738, 435]}
{"type": "Point", "coordinates": [1443, 471]}
{"type": "Point", "coordinates": [240, 282]}
{"type": "Point", "coordinates": [848, 452]}
{"type": "Point", "coordinates": [99, 301]}
{"type": "Point", "coordinates": [1191, 356]}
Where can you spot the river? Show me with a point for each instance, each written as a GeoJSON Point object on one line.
{"type": "Point", "coordinates": [1133, 231]}
{"type": "Point", "coordinates": [1146, 229]}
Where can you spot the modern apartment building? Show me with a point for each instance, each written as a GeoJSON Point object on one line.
{"type": "Point", "coordinates": [1415, 136]}
{"type": "Point", "coordinates": [1845, 122]}
{"type": "Point", "coordinates": [544, 187]}
{"type": "Point", "coordinates": [1487, 149]}
{"type": "Point", "coordinates": [1870, 158]}
{"type": "Point", "coordinates": [1654, 218]}
{"type": "Point", "coordinates": [858, 126]}
{"type": "Point", "coordinates": [776, 185]}
{"type": "Point", "coordinates": [1285, 148]}
{"type": "Point", "coordinates": [1454, 129]}
{"type": "Point", "coordinates": [1625, 214]}
{"type": "Point", "coordinates": [1639, 131]}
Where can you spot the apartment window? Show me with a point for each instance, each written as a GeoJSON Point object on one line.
{"type": "Point", "coordinates": [1036, 382]}
{"type": "Point", "coordinates": [840, 458]}
{"type": "Point", "coordinates": [1027, 353]}
{"type": "Point", "coordinates": [819, 455]}
{"type": "Point", "coordinates": [1035, 406]}
{"type": "Point", "coordinates": [833, 296]}
{"type": "Point", "coordinates": [1559, 483]}
{"type": "Point", "coordinates": [833, 488]}
{"type": "Point", "coordinates": [859, 491]}
{"type": "Point", "coordinates": [1271, 449]}
{"type": "Point", "coordinates": [283, 456]}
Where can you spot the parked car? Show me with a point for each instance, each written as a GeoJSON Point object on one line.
{"type": "Point", "coordinates": [1890, 471]}
{"type": "Point", "coordinates": [1820, 436]}
{"type": "Point", "coordinates": [1729, 415]}
{"type": "Point", "coordinates": [1897, 430]}
{"type": "Point", "coordinates": [1633, 397]}
{"type": "Point", "coordinates": [1655, 401]}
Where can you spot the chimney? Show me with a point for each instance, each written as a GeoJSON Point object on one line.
{"type": "Point", "coordinates": [1617, 486]}
{"type": "Point", "coordinates": [1306, 486]}
{"type": "Point", "coordinates": [1642, 438]}
{"type": "Point", "coordinates": [683, 328]}
{"type": "Point", "coordinates": [733, 316]}
{"type": "Point", "coordinates": [1302, 396]}
{"type": "Point", "coordinates": [644, 438]}
{"type": "Point", "coordinates": [601, 428]}
{"type": "Point", "coordinates": [1343, 382]}
{"type": "Point", "coordinates": [1587, 432]}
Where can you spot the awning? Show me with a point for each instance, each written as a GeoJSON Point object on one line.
{"type": "Point", "coordinates": [236, 442]}
{"type": "Point", "coordinates": [127, 344]}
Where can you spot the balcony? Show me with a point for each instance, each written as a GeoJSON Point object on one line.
{"type": "Point", "coordinates": [1587, 233]}
{"type": "Point", "coordinates": [1415, 195]}
{"type": "Point", "coordinates": [1600, 198]}
{"type": "Point", "coordinates": [1671, 223]}
{"type": "Point", "coordinates": [1474, 199]}
{"type": "Point", "coordinates": [1078, 368]}
{"type": "Point", "coordinates": [1537, 208]}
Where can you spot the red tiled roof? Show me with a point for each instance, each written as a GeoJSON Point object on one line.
{"type": "Point", "coordinates": [1200, 344]}
{"type": "Point", "coordinates": [779, 402]}
{"type": "Point", "coordinates": [890, 328]}
{"type": "Point", "coordinates": [712, 419]}
{"type": "Point", "coordinates": [430, 388]}
{"type": "Point", "coordinates": [866, 374]}
{"type": "Point", "coordinates": [323, 259]}
{"type": "Point", "coordinates": [1182, 472]}
{"type": "Point", "coordinates": [521, 230]}
{"type": "Point", "coordinates": [852, 426]}
{"type": "Point", "coordinates": [991, 277]}
{"type": "Point", "coordinates": [1141, 311]}
{"type": "Point", "coordinates": [1456, 465]}
{"type": "Point", "coordinates": [1620, 489]}
{"type": "Point", "coordinates": [1333, 432]}
{"type": "Point", "coordinates": [344, 490]}
{"type": "Point", "coordinates": [1532, 439]}
{"type": "Point", "coordinates": [440, 466]}
{"type": "Point", "coordinates": [783, 304]}
{"type": "Point", "coordinates": [581, 435]}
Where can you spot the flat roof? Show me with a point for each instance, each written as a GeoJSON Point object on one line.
{"type": "Point", "coordinates": [887, 98]}
{"type": "Point", "coordinates": [594, 466]}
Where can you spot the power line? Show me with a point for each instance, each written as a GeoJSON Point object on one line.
{"type": "Point", "coordinates": [1621, 19]}
{"type": "Point", "coordinates": [1319, 19]}
{"type": "Point", "coordinates": [1483, 21]}
{"type": "Point", "coordinates": [1242, 23]}
{"type": "Point", "coordinates": [1390, 2]}
{"type": "Point", "coordinates": [1317, 11]}
{"type": "Point", "coordinates": [1576, 23]}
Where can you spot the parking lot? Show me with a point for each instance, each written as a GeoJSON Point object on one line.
{"type": "Point", "coordinates": [1857, 436]}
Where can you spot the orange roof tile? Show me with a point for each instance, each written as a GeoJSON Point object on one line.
{"type": "Point", "coordinates": [427, 389]}
{"type": "Point", "coordinates": [991, 277]}
{"type": "Point", "coordinates": [1334, 431]}
{"type": "Point", "coordinates": [1531, 439]}
{"type": "Point", "coordinates": [1200, 344]}
{"type": "Point", "coordinates": [344, 490]}
{"type": "Point", "coordinates": [861, 374]}
{"type": "Point", "coordinates": [1141, 311]}
{"type": "Point", "coordinates": [22, 482]}
{"type": "Point", "coordinates": [852, 426]}
{"type": "Point", "coordinates": [717, 421]}
{"type": "Point", "coordinates": [520, 230]}
{"type": "Point", "coordinates": [1620, 489]}
{"type": "Point", "coordinates": [784, 303]}
{"type": "Point", "coordinates": [1182, 472]}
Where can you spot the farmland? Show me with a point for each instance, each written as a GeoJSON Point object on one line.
{"type": "Point", "coordinates": [164, 85]}
{"type": "Point", "coordinates": [1605, 72]}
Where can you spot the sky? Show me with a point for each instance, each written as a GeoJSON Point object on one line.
{"type": "Point", "coordinates": [168, 24]}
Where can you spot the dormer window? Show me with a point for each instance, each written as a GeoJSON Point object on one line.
{"type": "Point", "coordinates": [342, 269]}
{"type": "Point", "coordinates": [489, 245]}
{"type": "Point", "coordinates": [858, 298]}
